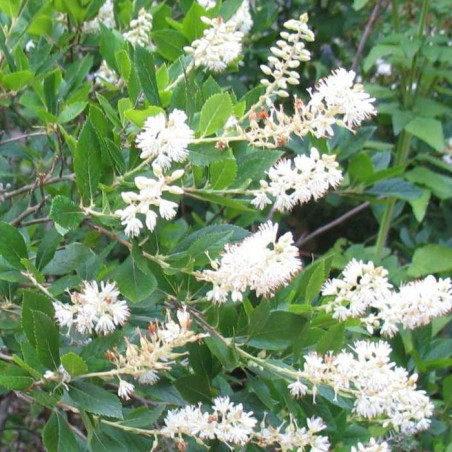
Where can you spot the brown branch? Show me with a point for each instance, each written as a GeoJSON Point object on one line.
{"type": "Point", "coordinates": [306, 238]}
{"type": "Point", "coordinates": [32, 186]}
{"type": "Point", "coordinates": [367, 31]}
{"type": "Point", "coordinates": [28, 211]}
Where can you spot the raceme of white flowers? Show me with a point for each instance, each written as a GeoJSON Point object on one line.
{"type": "Point", "coordinates": [93, 309]}
{"type": "Point", "coordinates": [164, 140]}
{"type": "Point", "coordinates": [140, 29]}
{"type": "Point", "coordinates": [365, 292]}
{"type": "Point", "coordinates": [381, 389]}
{"type": "Point", "coordinates": [287, 55]}
{"type": "Point", "coordinates": [150, 194]}
{"type": "Point", "coordinates": [154, 353]}
{"type": "Point", "coordinates": [261, 262]}
{"type": "Point", "coordinates": [230, 424]}
{"type": "Point", "coordinates": [296, 181]}
{"type": "Point", "coordinates": [242, 19]}
{"type": "Point", "coordinates": [105, 16]}
{"type": "Point", "coordinates": [219, 45]}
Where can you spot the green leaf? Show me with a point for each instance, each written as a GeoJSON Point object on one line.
{"type": "Point", "coordinates": [332, 340]}
{"type": "Point", "coordinates": [170, 43]}
{"type": "Point", "coordinates": [10, 7]}
{"type": "Point", "coordinates": [204, 154]}
{"type": "Point", "coordinates": [12, 245]}
{"type": "Point", "coordinates": [420, 205]}
{"type": "Point", "coordinates": [430, 259]}
{"type": "Point", "coordinates": [214, 114]}
{"type": "Point", "coordinates": [194, 388]}
{"type": "Point", "coordinates": [123, 63]}
{"type": "Point", "coordinates": [227, 202]}
{"type": "Point", "coordinates": [428, 130]}
{"type": "Point", "coordinates": [132, 282]}
{"type": "Point", "coordinates": [143, 417]}
{"type": "Point", "coordinates": [359, 4]}
{"type": "Point", "coordinates": [396, 187]}
{"type": "Point", "coordinates": [94, 399]}
{"type": "Point", "coordinates": [14, 379]}
{"type": "Point", "coordinates": [223, 173]}
{"type": "Point", "coordinates": [73, 364]}
{"type": "Point", "coordinates": [65, 212]}
{"type": "Point", "coordinates": [315, 281]}
{"type": "Point", "coordinates": [58, 436]}
{"type": "Point", "coordinates": [71, 111]}
{"type": "Point", "coordinates": [222, 352]}
{"type": "Point", "coordinates": [110, 42]}
{"type": "Point", "coordinates": [47, 339]}
{"type": "Point", "coordinates": [192, 25]}
{"type": "Point", "coordinates": [144, 67]}
{"type": "Point", "coordinates": [17, 80]}
{"type": "Point", "coordinates": [68, 259]}
{"type": "Point", "coordinates": [279, 331]}
{"type": "Point", "coordinates": [87, 163]}
{"type": "Point", "coordinates": [138, 117]}
{"type": "Point", "coordinates": [440, 185]}
{"type": "Point", "coordinates": [33, 302]}
{"type": "Point", "coordinates": [229, 8]}
{"type": "Point", "coordinates": [360, 168]}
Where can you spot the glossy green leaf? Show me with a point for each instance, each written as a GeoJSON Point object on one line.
{"type": "Point", "coordinates": [214, 114]}
{"type": "Point", "coordinates": [47, 339]}
{"type": "Point", "coordinates": [73, 364]}
{"type": "Point", "coordinates": [439, 184]}
{"type": "Point", "coordinates": [194, 388]}
{"type": "Point", "coordinates": [58, 436]}
{"type": "Point", "coordinates": [430, 259]}
{"type": "Point", "coordinates": [12, 245]}
{"type": "Point", "coordinates": [65, 212]}
{"type": "Point", "coordinates": [144, 67]}
{"type": "Point", "coordinates": [428, 130]}
{"type": "Point", "coordinates": [223, 173]}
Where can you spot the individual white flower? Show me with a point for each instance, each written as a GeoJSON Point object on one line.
{"type": "Point", "coordinates": [297, 389]}
{"type": "Point", "coordinates": [164, 140]}
{"type": "Point", "coordinates": [219, 45]}
{"type": "Point", "coordinates": [260, 262]}
{"type": "Point", "coordinates": [61, 375]}
{"type": "Point", "coordinates": [383, 67]}
{"type": "Point", "coordinates": [150, 195]}
{"type": "Point", "coordinates": [105, 16]}
{"type": "Point", "coordinates": [140, 29]}
{"type": "Point", "coordinates": [297, 181]}
{"type": "Point", "coordinates": [29, 46]}
{"type": "Point", "coordinates": [125, 389]}
{"type": "Point", "coordinates": [93, 309]}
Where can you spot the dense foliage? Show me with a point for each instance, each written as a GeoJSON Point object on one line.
{"type": "Point", "coordinates": [225, 224]}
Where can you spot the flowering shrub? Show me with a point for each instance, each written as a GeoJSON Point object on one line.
{"type": "Point", "coordinates": [156, 292]}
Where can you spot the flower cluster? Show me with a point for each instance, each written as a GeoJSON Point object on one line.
{"type": "Point", "coordinates": [151, 192]}
{"type": "Point", "coordinates": [338, 95]}
{"type": "Point", "coordinates": [287, 55]}
{"type": "Point", "coordinates": [297, 181]}
{"type": "Point", "coordinates": [140, 29]}
{"type": "Point", "coordinates": [155, 351]}
{"type": "Point", "coordinates": [93, 309]}
{"type": "Point", "coordinates": [381, 390]}
{"type": "Point", "coordinates": [242, 19]}
{"type": "Point", "coordinates": [230, 424]}
{"type": "Point", "coordinates": [165, 140]}
{"type": "Point", "coordinates": [219, 45]}
{"type": "Point", "coordinates": [260, 262]}
{"type": "Point", "coordinates": [105, 16]}
{"type": "Point", "coordinates": [364, 292]}
{"type": "Point", "coordinates": [292, 437]}
{"type": "Point", "coordinates": [106, 75]}
{"type": "Point", "coordinates": [372, 446]}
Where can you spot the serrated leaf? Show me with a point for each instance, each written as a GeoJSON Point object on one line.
{"type": "Point", "coordinates": [33, 302]}
{"type": "Point", "coordinates": [222, 352]}
{"type": "Point", "coordinates": [194, 388]}
{"type": "Point", "coordinates": [12, 245]}
{"type": "Point", "coordinates": [396, 187]}
{"type": "Point", "coordinates": [87, 164]}
{"type": "Point", "coordinates": [223, 173]}
{"type": "Point", "coordinates": [46, 339]}
{"type": "Point", "coordinates": [71, 111]}
{"type": "Point", "coordinates": [214, 114]}
{"type": "Point", "coordinates": [144, 67]}
{"type": "Point", "coordinates": [430, 259]}
{"type": "Point", "coordinates": [47, 248]}
{"type": "Point", "coordinates": [170, 43]}
{"type": "Point", "coordinates": [332, 340]}
{"type": "Point", "coordinates": [73, 364]}
{"type": "Point", "coordinates": [315, 282]}
{"type": "Point", "coordinates": [58, 436]}
{"type": "Point", "coordinates": [14, 378]}
{"type": "Point", "coordinates": [68, 259]}
{"type": "Point", "coordinates": [123, 63]}
{"type": "Point", "coordinates": [439, 184]}
{"type": "Point", "coordinates": [93, 399]}
{"type": "Point", "coordinates": [133, 283]}
{"type": "Point", "coordinates": [65, 212]}
{"type": "Point", "coordinates": [428, 130]}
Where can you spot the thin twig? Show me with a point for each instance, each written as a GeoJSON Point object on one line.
{"type": "Point", "coordinates": [306, 238]}
{"type": "Point", "coordinates": [29, 187]}
{"type": "Point", "coordinates": [22, 137]}
{"type": "Point", "coordinates": [28, 211]}
{"type": "Point", "coordinates": [367, 32]}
